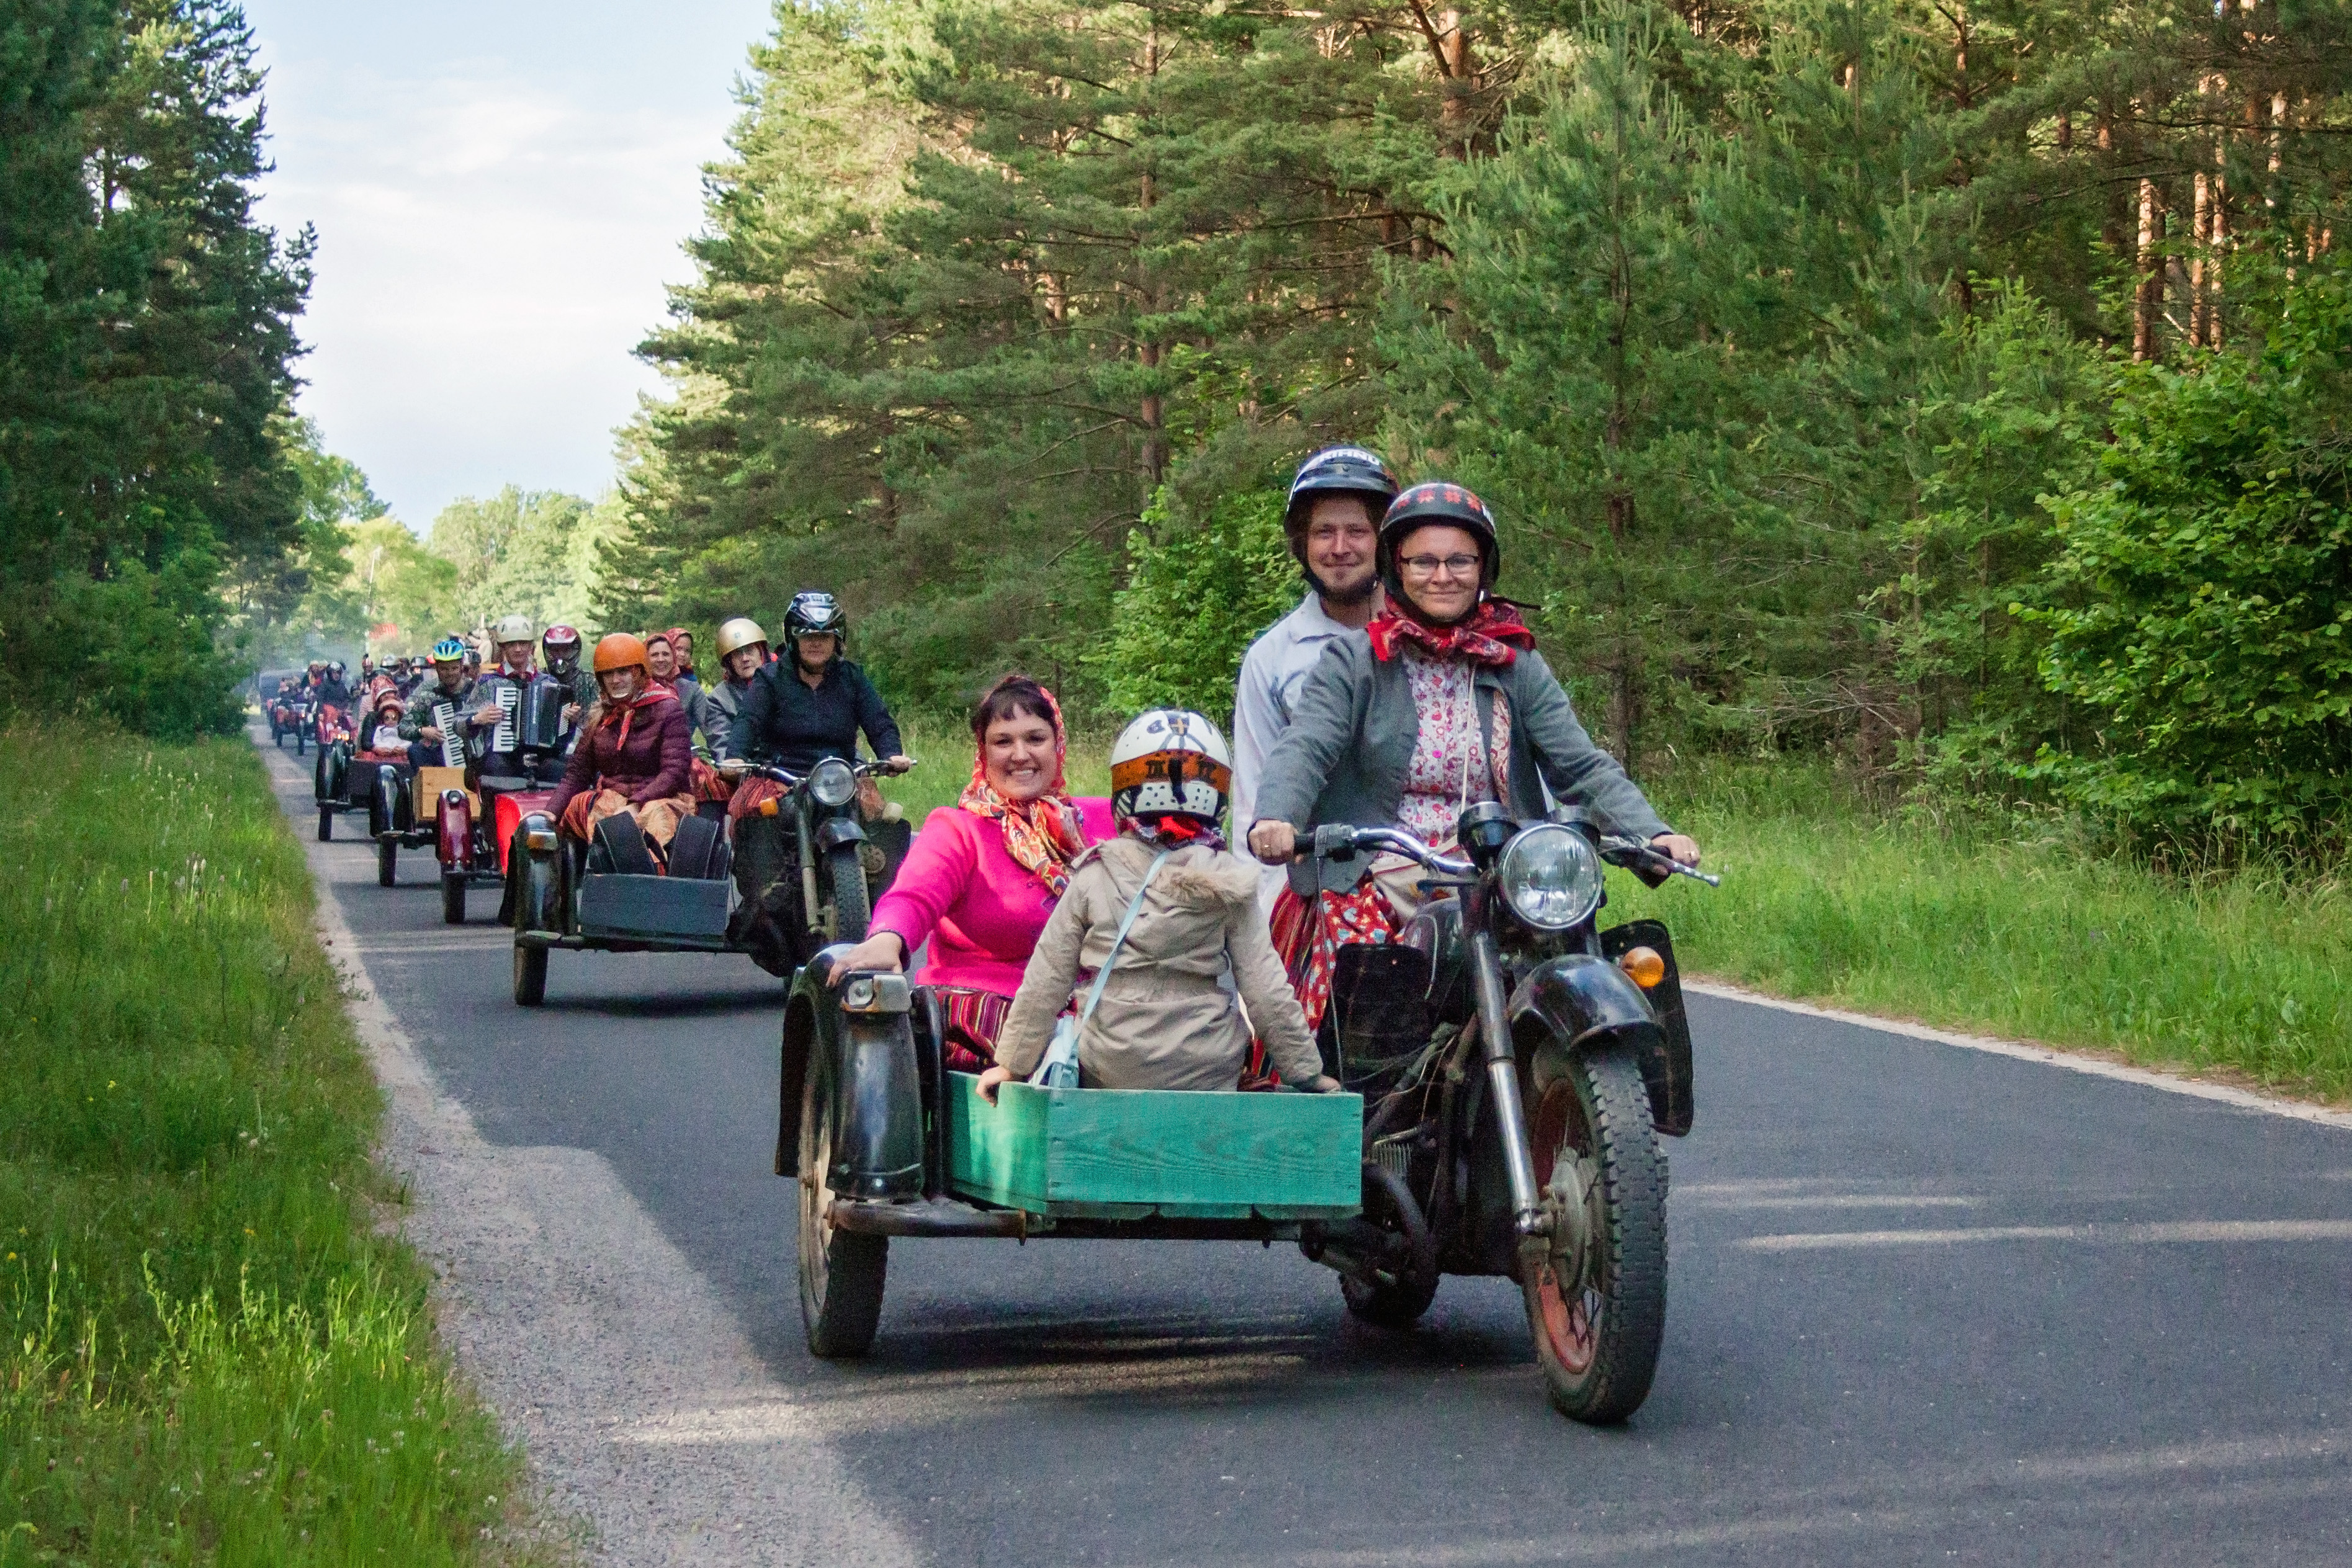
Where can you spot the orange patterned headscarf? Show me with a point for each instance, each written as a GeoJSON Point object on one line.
{"type": "Point", "coordinates": [1042, 835]}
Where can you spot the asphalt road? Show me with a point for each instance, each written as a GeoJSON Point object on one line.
{"type": "Point", "coordinates": [1926, 1305]}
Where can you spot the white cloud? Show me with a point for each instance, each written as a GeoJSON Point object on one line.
{"type": "Point", "coordinates": [493, 239]}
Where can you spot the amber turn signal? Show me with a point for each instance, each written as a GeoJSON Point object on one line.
{"type": "Point", "coordinates": [1643, 966]}
{"type": "Point", "coordinates": [768, 808]}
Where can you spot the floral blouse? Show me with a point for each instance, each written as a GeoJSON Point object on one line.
{"type": "Point", "coordinates": [1449, 768]}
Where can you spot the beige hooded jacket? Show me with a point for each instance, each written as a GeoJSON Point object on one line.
{"type": "Point", "coordinates": [1164, 1022]}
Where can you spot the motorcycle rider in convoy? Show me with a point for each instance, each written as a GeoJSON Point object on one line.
{"type": "Point", "coordinates": [514, 667]}
{"type": "Point", "coordinates": [1332, 521]}
{"type": "Point", "coordinates": [450, 684]}
{"type": "Point", "coordinates": [632, 761]}
{"type": "Point", "coordinates": [808, 706]}
{"type": "Point", "coordinates": [742, 653]}
{"type": "Point", "coordinates": [1440, 702]}
{"type": "Point", "coordinates": [661, 653]}
{"type": "Point", "coordinates": [561, 646]}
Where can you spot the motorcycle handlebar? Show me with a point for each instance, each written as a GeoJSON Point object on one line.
{"type": "Point", "coordinates": [880, 766]}
{"type": "Point", "coordinates": [1337, 840]}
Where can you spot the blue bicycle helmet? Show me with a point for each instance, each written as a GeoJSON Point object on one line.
{"type": "Point", "coordinates": [449, 650]}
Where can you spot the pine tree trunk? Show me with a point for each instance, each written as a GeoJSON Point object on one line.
{"type": "Point", "coordinates": [2148, 305]}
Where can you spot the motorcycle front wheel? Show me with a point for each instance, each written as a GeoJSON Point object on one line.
{"type": "Point", "coordinates": [851, 910]}
{"type": "Point", "coordinates": [1596, 1287]}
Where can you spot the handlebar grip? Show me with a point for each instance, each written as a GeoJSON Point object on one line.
{"type": "Point", "coordinates": [1333, 841]}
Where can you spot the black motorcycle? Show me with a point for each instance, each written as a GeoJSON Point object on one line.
{"type": "Point", "coordinates": [1518, 1065]}
{"type": "Point", "coordinates": [842, 866]}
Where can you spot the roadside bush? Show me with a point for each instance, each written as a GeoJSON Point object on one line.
{"type": "Point", "coordinates": [1203, 587]}
{"type": "Point", "coordinates": [2205, 586]}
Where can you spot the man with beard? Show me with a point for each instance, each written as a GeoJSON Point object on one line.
{"type": "Point", "coordinates": [1333, 521]}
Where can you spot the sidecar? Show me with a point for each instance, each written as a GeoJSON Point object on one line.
{"type": "Point", "coordinates": [342, 781]}
{"type": "Point", "coordinates": [886, 1142]}
{"type": "Point", "coordinates": [611, 898]}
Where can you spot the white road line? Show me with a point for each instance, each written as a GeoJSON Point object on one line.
{"type": "Point", "coordinates": [2025, 1050]}
{"type": "Point", "coordinates": [2187, 1230]}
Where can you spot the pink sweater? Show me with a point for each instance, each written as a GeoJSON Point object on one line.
{"type": "Point", "coordinates": [980, 910]}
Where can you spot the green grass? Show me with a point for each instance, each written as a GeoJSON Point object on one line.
{"type": "Point", "coordinates": [2016, 928]}
{"type": "Point", "coordinates": [213, 1355]}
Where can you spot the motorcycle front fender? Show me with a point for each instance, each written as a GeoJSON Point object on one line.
{"type": "Point", "coordinates": [834, 831]}
{"type": "Point", "coordinates": [539, 876]}
{"type": "Point", "coordinates": [1578, 1003]}
{"type": "Point", "coordinates": [454, 831]}
{"type": "Point", "coordinates": [863, 1054]}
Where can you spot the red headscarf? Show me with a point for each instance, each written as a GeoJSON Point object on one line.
{"type": "Point", "coordinates": [1042, 835]}
{"type": "Point", "coordinates": [671, 637]}
{"type": "Point", "coordinates": [1491, 634]}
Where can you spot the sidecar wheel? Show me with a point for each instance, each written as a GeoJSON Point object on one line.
{"type": "Point", "coordinates": [1596, 1287]}
{"type": "Point", "coordinates": [842, 1272]}
{"type": "Point", "coordinates": [1397, 1306]}
{"type": "Point", "coordinates": [453, 898]}
{"type": "Point", "coordinates": [326, 824]}
{"type": "Point", "coordinates": [387, 862]}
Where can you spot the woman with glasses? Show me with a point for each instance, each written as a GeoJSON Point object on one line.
{"type": "Point", "coordinates": [1440, 703]}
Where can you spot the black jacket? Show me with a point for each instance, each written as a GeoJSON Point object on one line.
{"type": "Point", "coordinates": [786, 724]}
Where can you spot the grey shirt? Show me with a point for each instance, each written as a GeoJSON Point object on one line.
{"type": "Point", "coordinates": [1350, 739]}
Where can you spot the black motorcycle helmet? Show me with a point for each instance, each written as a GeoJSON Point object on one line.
{"type": "Point", "coordinates": [1442, 502]}
{"type": "Point", "coordinates": [1334, 471]}
{"type": "Point", "coordinates": [815, 614]}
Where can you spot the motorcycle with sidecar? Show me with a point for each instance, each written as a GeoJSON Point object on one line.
{"type": "Point", "coordinates": [512, 768]}
{"type": "Point", "coordinates": [1506, 1067]}
{"type": "Point", "coordinates": [292, 713]}
{"type": "Point", "coordinates": [340, 781]}
{"type": "Point", "coordinates": [610, 897]}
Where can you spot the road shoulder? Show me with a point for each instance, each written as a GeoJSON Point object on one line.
{"type": "Point", "coordinates": [639, 1400]}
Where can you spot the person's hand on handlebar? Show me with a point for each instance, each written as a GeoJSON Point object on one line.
{"type": "Point", "coordinates": [899, 764]}
{"type": "Point", "coordinates": [1272, 842]}
{"type": "Point", "coordinates": [1680, 848]}
{"type": "Point", "coordinates": [883, 950]}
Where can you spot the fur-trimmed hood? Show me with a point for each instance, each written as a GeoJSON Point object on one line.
{"type": "Point", "coordinates": [1195, 877]}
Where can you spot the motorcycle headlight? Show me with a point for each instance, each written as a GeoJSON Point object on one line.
{"type": "Point", "coordinates": [833, 782]}
{"type": "Point", "coordinates": [1552, 877]}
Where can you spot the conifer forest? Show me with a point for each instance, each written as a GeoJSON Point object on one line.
{"type": "Point", "coordinates": [1959, 392]}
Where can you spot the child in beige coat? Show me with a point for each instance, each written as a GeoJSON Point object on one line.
{"type": "Point", "coordinates": [1172, 1013]}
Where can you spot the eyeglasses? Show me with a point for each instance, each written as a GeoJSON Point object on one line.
{"type": "Point", "coordinates": [1431, 565]}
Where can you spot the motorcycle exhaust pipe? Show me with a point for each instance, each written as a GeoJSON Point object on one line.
{"type": "Point", "coordinates": [1503, 1078]}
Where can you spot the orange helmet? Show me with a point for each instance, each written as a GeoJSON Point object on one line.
{"type": "Point", "coordinates": [618, 651]}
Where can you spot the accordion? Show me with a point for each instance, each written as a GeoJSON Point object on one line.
{"type": "Point", "coordinates": [531, 714]}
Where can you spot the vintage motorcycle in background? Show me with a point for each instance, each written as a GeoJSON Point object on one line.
{"type": "Point", "coordinates": [512, 768]}
{"type": "Point", "coordinates": [842, 865]}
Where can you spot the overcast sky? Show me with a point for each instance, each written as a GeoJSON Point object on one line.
{"type": "Point", "coordinates": [500, 190]}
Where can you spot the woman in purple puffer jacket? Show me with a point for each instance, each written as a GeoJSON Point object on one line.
{"type": "Point", "coordinates": [634, 755]}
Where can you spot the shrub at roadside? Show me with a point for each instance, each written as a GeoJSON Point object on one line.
{"type": "Point", "coordinates": [211, 1356]}
{"type": "Point", "coordinates": [2209, 627]}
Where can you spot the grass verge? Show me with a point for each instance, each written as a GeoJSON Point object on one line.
{"type": "Point", "coordinates": [2014, 930]}
{"type": "Point", "coordinates": [213, 1355]}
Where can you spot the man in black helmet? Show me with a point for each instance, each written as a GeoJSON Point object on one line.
{"type": "Point", "coordinates": [1333, 521]}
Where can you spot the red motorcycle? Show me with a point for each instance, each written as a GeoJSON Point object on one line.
{"type": "Point", "coordinates": [513, 769]}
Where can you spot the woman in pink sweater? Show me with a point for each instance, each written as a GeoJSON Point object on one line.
{"type": "Point", "coordinates": [985, 874]}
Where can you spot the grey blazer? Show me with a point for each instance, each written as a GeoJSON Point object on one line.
{"type": "Point", "coordinates": [1350, 739]}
